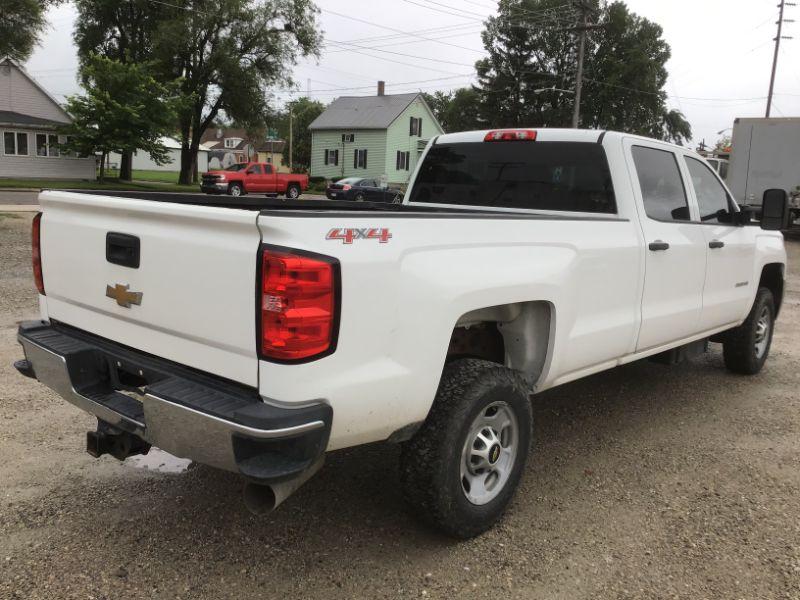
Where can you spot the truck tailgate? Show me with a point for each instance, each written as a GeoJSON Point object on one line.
{"type": "Point", "coordinates": [196, 276]}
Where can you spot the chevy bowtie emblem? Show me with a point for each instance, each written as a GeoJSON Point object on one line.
{"type": "Point", "coordinates": [124, 297]}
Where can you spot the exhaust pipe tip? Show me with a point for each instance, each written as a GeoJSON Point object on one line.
{"type": "Point", "coordinates": [259, 499]}
{"type": "Point", "coordinates": [262, 498]}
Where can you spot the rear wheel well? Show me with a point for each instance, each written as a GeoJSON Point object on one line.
{"type": "Point", "coordinates": [514, 335]}
{"type": "Point", "coordinates": [772, 279]}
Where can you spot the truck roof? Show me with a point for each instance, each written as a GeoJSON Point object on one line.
{"type": "Point", "coordinates": [547, 134]}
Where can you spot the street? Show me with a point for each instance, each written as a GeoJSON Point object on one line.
{"type": "Point", "coordinates": [646, 481]}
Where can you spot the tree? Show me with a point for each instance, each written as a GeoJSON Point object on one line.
{"type": "Point", "coordinates": [228, 57]}
{"type": "Point", "coordinates": [456, 111]}
{"type": "Point", "coordinates": [529, 73]}
{"type": "Point", "coordinates": [121, 31]}
{"type": "Point", "coordinates": [123, 109]}
{"type": "Point", "coordinates": [22, 23]}
{"type": "Point", "coordinates": [303, 111]}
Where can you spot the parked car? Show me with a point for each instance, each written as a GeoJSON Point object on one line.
{"type": "Point", "coordinates": [255, 178]}
{"type": "Point", "coordinates": [360, 190]}
{"type": "Point", "coordinates": [519, 260]}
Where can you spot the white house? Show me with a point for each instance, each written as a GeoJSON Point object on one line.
{"type": "Point", "coordinates": [29, 122]}
{"type": "Point", "coordinates": [143, 162]}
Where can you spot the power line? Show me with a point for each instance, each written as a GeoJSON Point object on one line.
{"type": "Point", "coordinates": [409, 33]}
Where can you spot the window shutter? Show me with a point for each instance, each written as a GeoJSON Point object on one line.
{"type": "Point", "coordinates": [397, 161]}
{"type": "Point", "coordinates": [408, 160]}
{"type": "Point", "coordinates": [365, 159]}
{"type": "Point", "coordinates": [336, 157]}
{"type": "Point", "coordinates": [419, 127]}
{"type": "Point", "coordinates": [326, 157]}
{"type": "Point", "coordinates": [411, 126]}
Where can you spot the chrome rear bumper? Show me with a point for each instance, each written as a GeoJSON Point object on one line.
{"type": "Point", "coordinates": [188, 414]}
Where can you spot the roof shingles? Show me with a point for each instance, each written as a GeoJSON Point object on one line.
{"type": "Point", "coordinates": [363, 112]}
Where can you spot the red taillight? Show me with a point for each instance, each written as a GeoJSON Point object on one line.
{"type": "Point", "coordinates": [346, 187]}
{"type": "Point", "coordinates": [511, 135]}
{"type": "Point", "coordinates": [298, 305]}
{"type": "Point", "coordinates": [36, 236]}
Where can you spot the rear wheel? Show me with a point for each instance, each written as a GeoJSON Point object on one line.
{"type": "Point", "coordinates": [359, 197]}
{"type": "Point", "coordinates": [461, 468]}
{"type": "Point", "coordinates": [235, 189]}
{"type": "Point", "coordinates": [746, 348]}
{"type": "Point", "coordinates": [293, 192]}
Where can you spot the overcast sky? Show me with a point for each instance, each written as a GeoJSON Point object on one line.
{"type": "Point", "coordinates": [721, 53]}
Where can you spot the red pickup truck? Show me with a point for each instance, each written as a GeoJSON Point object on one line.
{"type": "Point", "coordinates": [255, 178]}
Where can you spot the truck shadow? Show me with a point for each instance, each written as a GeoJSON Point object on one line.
{"type": "Point", "coordinates": [353, 510]}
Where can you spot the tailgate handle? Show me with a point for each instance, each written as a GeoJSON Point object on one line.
{"type": "Point", "coordinates": [122, 249]}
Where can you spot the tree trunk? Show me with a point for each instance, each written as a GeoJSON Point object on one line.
{"type": "Point", "coordinates": [101, 178]}
{"type": "Point", "coordinates": [185, 176]}
{"type": "Point", "coordinates": [126, 166]}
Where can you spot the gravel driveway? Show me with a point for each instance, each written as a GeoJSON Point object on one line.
{"type": "Point", "coordinates": [644, 482]}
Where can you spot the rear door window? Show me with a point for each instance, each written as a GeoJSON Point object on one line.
{"type": "Point", "coordinates": [561, 176]}
{"type": "Point", "coordinates": [662, 187]}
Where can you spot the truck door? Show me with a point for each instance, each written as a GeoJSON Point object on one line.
{"type": "Point", "coordinates": [731, 250]}
{"type": "Point", "coordinates": [254, 178]}
{"type": "Point", "coordinates": [270, 179]}
{"type": "Point", "coordinates": [674, 247]}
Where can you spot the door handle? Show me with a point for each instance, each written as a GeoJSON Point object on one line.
{"type": "Point", "coordinates": [658, 245]}
{"type": "Point", "coordinates": [716, 244]}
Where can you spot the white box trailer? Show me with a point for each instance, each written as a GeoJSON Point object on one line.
{"type": "Point", "coordinates": [766, 154]}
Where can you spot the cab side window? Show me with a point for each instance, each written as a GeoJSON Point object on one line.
{"type": "Point", "coordinates": [711, 195]}
{"type": "Point", "coordinates": [662, 186]}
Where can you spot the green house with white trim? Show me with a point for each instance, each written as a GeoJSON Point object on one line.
{"type": "Point", "coordinates": [380, 137]}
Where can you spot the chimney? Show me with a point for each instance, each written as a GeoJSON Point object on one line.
{"type": "Point", "coordinates": [381, 88]}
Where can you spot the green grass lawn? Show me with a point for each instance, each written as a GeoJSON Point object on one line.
{"type": "Point", "coordinates": [156, 176]}
{"type": "Point", "coordinates": [110, 183]}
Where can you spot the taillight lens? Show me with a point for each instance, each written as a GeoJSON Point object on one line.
{"type": "Point", "coordinates": [346, 186]}
{"type": "Point", "coordinates": [36, 236]}
{"type": "Point", "coordinates": [511, 135]}
{"type": "Point", "coordinates": [298, 305]}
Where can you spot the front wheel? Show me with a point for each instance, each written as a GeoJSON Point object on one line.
{"type": "Point", "coordinates": [460, 470]}
{"type": "Point", "coordinates": [745, 349]}
{"type": "Point", "coordinates": [235, 189]}
{"type": "Point", "coordinates": [293, 192]}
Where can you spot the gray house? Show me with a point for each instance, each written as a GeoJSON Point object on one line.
{"type": "Point", "coordinates": [372, 136]}
{"type": "Point", "coordinates": [29, 122]}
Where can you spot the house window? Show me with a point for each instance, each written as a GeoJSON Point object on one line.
{"type": "Point", "coordinates": [360, 159]}
{"type": "Point", "coordinates": [415, 126]}
{"type": "Point", "coordinates": [231, 143]}
{"type": "Point", "coordinates": [348, 138]}
{"type": "Point", "coordinates": [15, 143]}
{"type": "Point", "coordinates": [331, 157]}
{"type": "Point", "coordinates": [403, 161]}
{"type": "Point", "coordinates": [46, 145]}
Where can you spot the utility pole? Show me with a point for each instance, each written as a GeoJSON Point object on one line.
{"type": "Point", "coordinates": [291, 116]}
{"type": "Point", "coordinates": [781, 6]}
{"type": "Point", "coordinates": [576, 113]}
{"type": "Point", "coordinates": [584, 7]}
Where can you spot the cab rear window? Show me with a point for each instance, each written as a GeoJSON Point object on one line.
{"type": "Point", "coordinates": [563, 176]}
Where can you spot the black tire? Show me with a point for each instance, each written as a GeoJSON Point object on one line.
{"type": "Point", "coordinates": [293, 192]}
{"type": "Point", "coordinates": [236, 189]}
{"type": "Point", "coordinates": [739, 347]}
{"type": "Point", "coordinates": [431, 462]}
{"type": "Point", "coordinates": [359, 197]}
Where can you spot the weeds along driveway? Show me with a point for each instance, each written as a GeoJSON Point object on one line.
{"type": "Point", "coordinates": [644, 482]}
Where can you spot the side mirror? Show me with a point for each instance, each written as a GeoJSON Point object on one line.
{"type": "Point", "coordinates": [774, 210]}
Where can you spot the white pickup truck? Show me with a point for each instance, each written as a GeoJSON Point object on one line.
{"type": "Point", "coordinates": [255, 337]}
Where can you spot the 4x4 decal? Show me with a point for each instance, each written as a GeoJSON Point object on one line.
{"type": "Point", "coordinates": [348, 234]}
